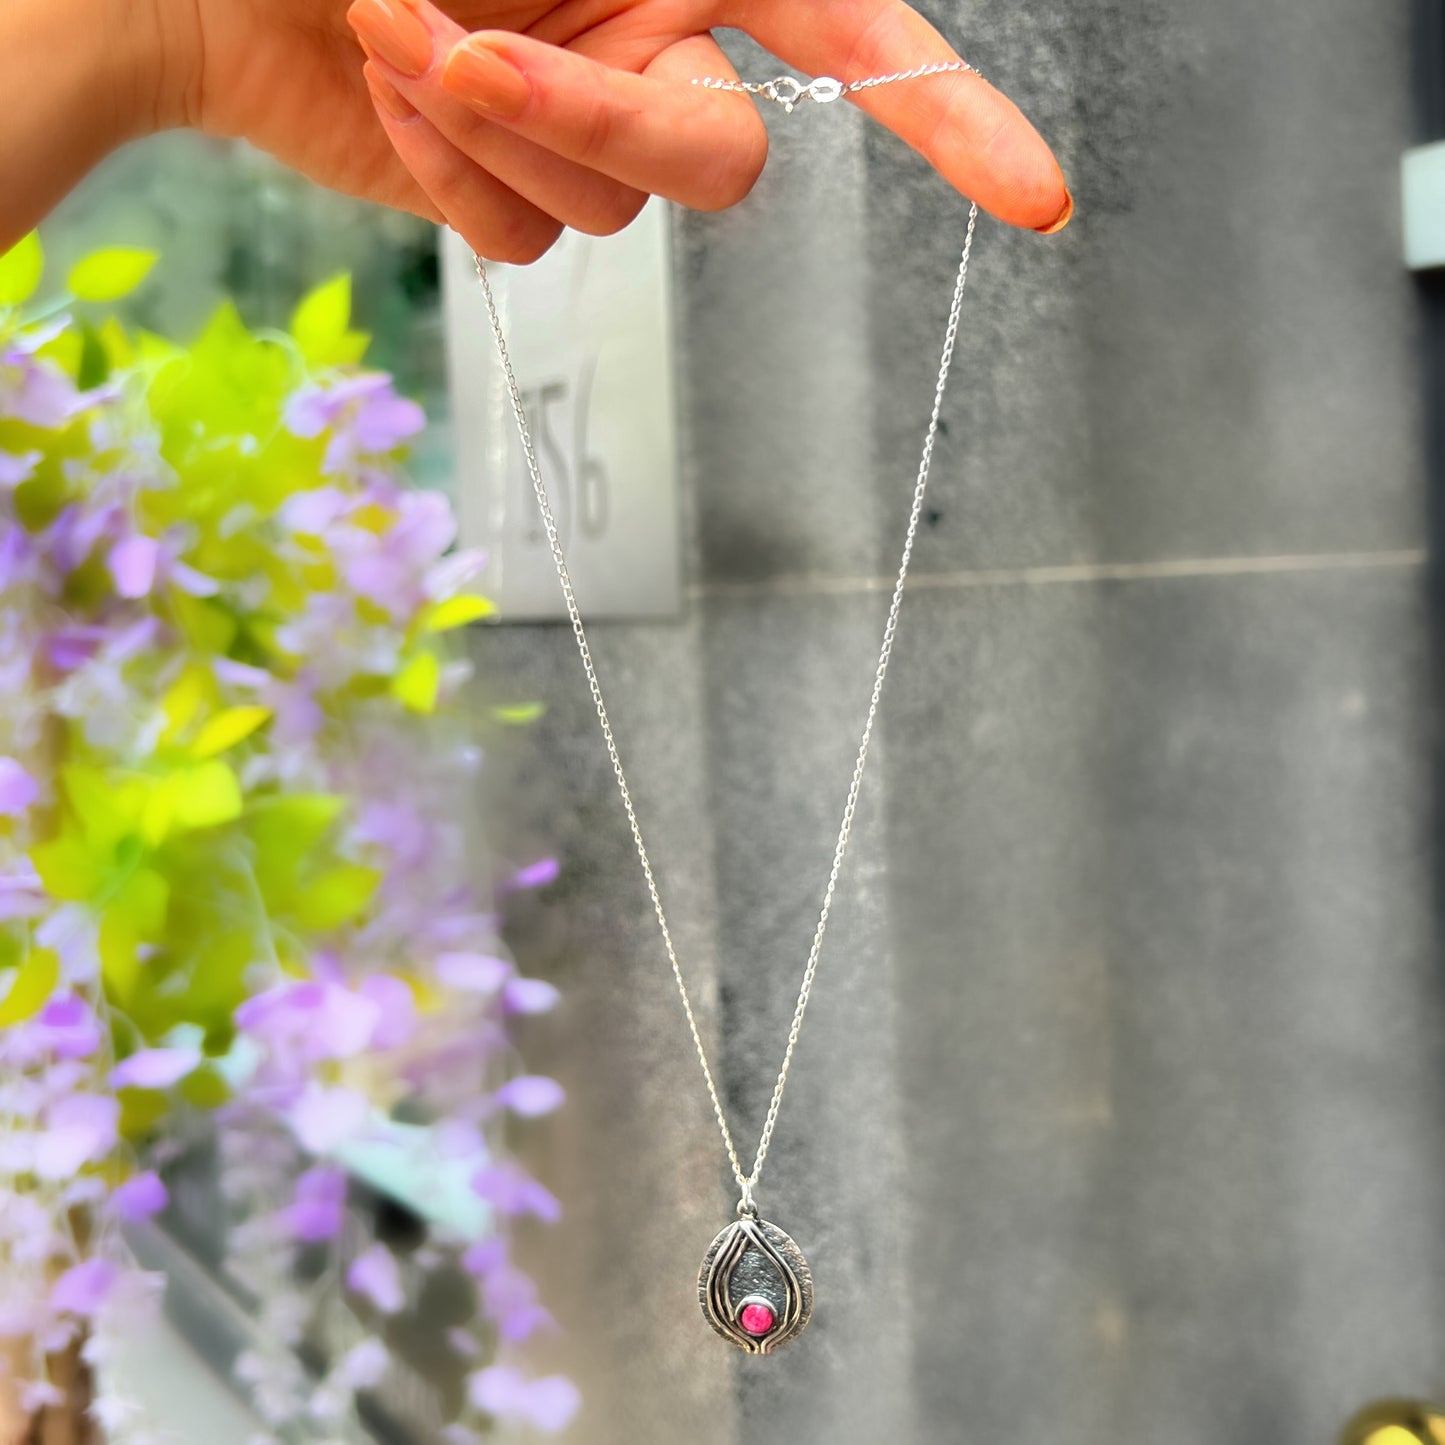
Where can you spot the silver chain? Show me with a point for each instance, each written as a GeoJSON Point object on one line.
{"type": "Point", "coordinates": [788, 91]}
{"type": "Point", "coordinates": [746, 1182]}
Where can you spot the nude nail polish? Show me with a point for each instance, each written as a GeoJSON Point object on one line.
{"type": "Point", "coordinates": [387, 96]}
{"type": "Point", "coordinates": [396, 31]}
{"type": "Point", "coordinates": [478, 74]}
{"type": "Point", "coordinates": [1065, 216]}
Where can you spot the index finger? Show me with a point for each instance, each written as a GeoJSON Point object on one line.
{"type": "Point", "coordinates": [971, 133]}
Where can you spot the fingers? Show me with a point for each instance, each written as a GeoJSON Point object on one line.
{"type": "Point", "coordinates": [655, 132]}
{"type": "Point", "coordinates": [497, 223]}
{"type": "Point", "coordinates": [971, 133]}
{"type": "Point", "coordinates": [406, 43]}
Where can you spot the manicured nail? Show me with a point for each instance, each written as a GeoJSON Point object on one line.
{"type": "Point", "coordinates": [1065, 216]}
{"type": "Point", "coordinates": [387, 96]}
{"type": "Point", "coordinates": [396, 31]}
{"type": "Point", "coordinates": [480, 75]}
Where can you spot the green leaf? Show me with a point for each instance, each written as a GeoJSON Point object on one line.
{"type": "Point", "coordinates": [519, 714]}
{"type": "Point", "coordinates": [31, 987]}
{"type": "Point", "coordinates": [456, 612]}
{"type": "Point", "coordinates": [119, 947]}
{"type": "Point", "coordinates": [204, 1088]}
{"type": "Point", "coordinates": [108, 275]}
{"type": "Point", "coordinates": [141, 1110]}
{"type": "Point", "coordinates": [284, 832]}
{"type": "Point", "coordinates": [69, 870]}
{"type": "Point", "coordinates": [142, 901]}
{"type": "Point", "coordinates": [203, 796]}
{"type": "Point", "coordinates": [208, 626]}
{"type": "Point", "coordinates": [94, 364]}
{"type": "Point", "coordinates": [228, 728]}
{"type": "Point", "coordinates": [415, 686]}
{"type": "Point", "coordinates": [319, 323]}
{"type": "Point", "coordinates": [108, 805]}
{"type": "Point", "coordinates": [337, 896]}
{"type": "Point", "coordinates": [20, 270]}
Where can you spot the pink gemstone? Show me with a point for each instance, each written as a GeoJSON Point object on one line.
{"type": "Point", "coordinates": [756, 1319]}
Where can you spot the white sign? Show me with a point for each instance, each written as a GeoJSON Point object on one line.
{"type": "Point", "coordinates": [589, 330]}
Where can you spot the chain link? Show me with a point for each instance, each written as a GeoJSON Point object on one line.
{"type": "Point", "coordinates": [788, 91]}
{"type": "Point", "coordinates": [747, 1182]}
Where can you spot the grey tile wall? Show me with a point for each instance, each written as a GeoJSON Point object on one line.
{"type": "Point", "coordinates": [1117, 1115]}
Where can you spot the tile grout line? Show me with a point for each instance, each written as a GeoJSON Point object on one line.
{"type": "Point", "coordinates": [1074, 573]}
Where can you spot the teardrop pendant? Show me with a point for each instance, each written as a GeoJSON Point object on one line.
{"type": "Point", "coordinates": [755, 1287]}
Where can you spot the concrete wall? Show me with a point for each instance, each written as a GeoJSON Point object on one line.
{"type": "Point", "coordinates": [1117, 1117]}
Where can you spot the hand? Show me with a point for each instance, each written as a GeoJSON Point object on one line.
{"type": "Point", "coordinates": [560, 112]}
{"type": "Point", "coordinates": [513, 133]}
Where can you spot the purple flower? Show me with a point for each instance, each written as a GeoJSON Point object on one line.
{"type": "Point", "coordinates": [384, 420]}
{"type": "Point", "coordinates": [154, 1068]}
{"type": "Point", "coordinates": [73, 535]}
{"type": "Point", "coordinates": [311, 1020]}
{"type": "Point", "coordinates": [510, 1298]}
{"type": "Point", "coordinates": [363, 413]}
{"type": "Point", "coordinates": [535, 875]}
{"type": "Point", "coordinates": [133, 565]}
{"type": "Point", "coordinates": [83, 1288]}
{"type": "Point", "coordinates": [505, 1393]}
{"type": "Point", "coordinates": [37, 392]}
{"type": "Point", "coordinates": [140, 1198]}
{"type": "Point", "coordinates": [239, 674]}
{"type": "Point", "coordinates": [16, 554]}
{"type": "Point", "coordinates": [325, 1117]}
{"type": "Point", "coordinates": [374, 1276]}
{"type": "Point", "coordinates": [530, 1095]}
{"type": "Point", "coordinates": [529, 996]}
{"type": "Point", "coordinates": [67, 1028]}
{"type": "Point", "coordinates": [74, 645]}
{"type": "Point", "coordinates": [446, 577]}
{"type": "Point", "coordinates": [485, 1256]}
{"type": "Point", "coordinates": [507, 1189]}
{"type": "Point", "coordinates": [79, 1130]}
{"type": "Point", "coordinates": [312, 512]}
{"type": "Point", "coordinates": [397, 1005]}
{"type": "Point", "coordinates": [18, 790]}
{"type": "Point", "coordinates": [316, 1210]}
{"type": "Point", "coordinates": [400, 828]}
{"type": "Point", "coordinates": [472, 972]}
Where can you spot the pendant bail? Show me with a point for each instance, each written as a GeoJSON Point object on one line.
{"type": "Point", "coordinates": [747, 1205]}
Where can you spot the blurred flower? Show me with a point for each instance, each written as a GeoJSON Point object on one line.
{"type": "Point", "coordinates": [18, 790]}
{"type": "Point", "coordinates": [374, 1275]}
{"type": "Point", "coordinates": [140, 1197]}
{"type": "Point", "coordinates": [83, 1288]}
{"type": "Point", "coordinates": [506, 1394]}
{"type": "Point", "coordinates": [530, 1095]}
{"type": "Point", "coordinates": [154, 1068]}
{"type": "Point", "coordinates": [79, 1128]}
{"type": "Point", "coordinates": [316, 1211]}
{"type": "Point", "coordinates": [509, 1190]}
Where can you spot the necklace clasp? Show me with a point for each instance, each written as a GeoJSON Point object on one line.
{"type": "Point", "coordinates": [787, 90]}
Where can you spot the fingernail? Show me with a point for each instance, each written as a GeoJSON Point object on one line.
{"type": "Point", "coordinates": [396, 31]}
{"type": "Point", "coordinates": [387, 96]}
{"type": "Point", "coordinates": [1065, 216]}
{"type": "Point", "coordinates": [478, 74]}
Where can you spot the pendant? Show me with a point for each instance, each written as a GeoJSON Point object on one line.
{"type": "Point", "coordinates": [755, 1287]}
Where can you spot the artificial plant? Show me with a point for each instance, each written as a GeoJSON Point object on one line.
{"type": "Point", "coordinates": [233, 875]}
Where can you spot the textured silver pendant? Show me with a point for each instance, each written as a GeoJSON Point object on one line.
{"type": "Point", "coordinates": [755, 1287]}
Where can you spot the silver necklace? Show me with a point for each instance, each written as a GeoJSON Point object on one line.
{"type": "Point", "coordinates": [755, 1286]}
